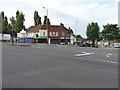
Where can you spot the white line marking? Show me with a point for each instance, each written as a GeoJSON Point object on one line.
{"type": "Point", "coordinates": [83, 54]}
{"type": "Point", "coordinates": [102, 60]}
{"type": "Point", "coordinates": [108, 55]}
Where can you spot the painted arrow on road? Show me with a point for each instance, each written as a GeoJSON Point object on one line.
{"type": "Point", "coordinates": [83, 54]}
{"type": "Point", "coordinates": [108, 55]}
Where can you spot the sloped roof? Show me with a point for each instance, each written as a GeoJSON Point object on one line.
{"type": "Point", "coordinates": [44, 27]}
{"type": "Point", "coordinates": [57, 27]}
{"type": "Point", "coordinates": [36, 28]}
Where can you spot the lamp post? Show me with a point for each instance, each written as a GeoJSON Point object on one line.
{"type": "Point", "coordinates": [75, 31]}
{"type": "Point", "coordinates": [47, 25]}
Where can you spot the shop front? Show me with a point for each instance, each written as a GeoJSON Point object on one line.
{"type": "Point", "coordinates": [41, 39]}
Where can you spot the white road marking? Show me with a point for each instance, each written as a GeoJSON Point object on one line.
{"type": "Point", "coordinates": [98, 59]}
{"type": "Point", "coordinates": [108, 55]}
{"type": "Point", "coordinates": [102, 60]}
{"type": "Point", "coordinates": [83, 54]}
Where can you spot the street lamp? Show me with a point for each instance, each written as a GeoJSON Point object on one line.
{"type": "Point", "coordinates": [47, 24]}
{"type": "Point", "coordinates": [75, 30]}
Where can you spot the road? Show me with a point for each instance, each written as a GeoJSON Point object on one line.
{"type": "Point", "coordinates": [42, 66]}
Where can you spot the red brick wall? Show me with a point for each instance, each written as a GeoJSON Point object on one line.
{"type": "Point", "coordinates": [60, 31]}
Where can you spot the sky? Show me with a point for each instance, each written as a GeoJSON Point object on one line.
{"type": "Point", "coordinates": [67, 12]}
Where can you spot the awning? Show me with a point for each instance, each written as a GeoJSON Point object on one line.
{"type": "Point", "coordinates": [40, 37]}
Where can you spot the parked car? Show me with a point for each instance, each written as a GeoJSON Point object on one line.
{"type": "Point", "coordinates": [82, 44]}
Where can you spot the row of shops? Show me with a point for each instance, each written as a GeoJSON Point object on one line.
{"type": "Point", "coordinates": [55, 34]}
{"type": "Point", "coordinates": [39, 40]}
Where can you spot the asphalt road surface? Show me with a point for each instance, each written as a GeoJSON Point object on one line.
{"type": "Point", "coordinates": [58, 67]}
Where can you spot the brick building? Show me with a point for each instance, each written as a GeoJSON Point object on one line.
{"type": "Point", "coordinates": [58, 35]}
{"type": "Point", "coordinates": [52, 34]}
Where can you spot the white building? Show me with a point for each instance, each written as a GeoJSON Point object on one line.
{"type": "Point", "coordinates": [32, 32]}
{"type": "Point", "coordinates": [22, 34]}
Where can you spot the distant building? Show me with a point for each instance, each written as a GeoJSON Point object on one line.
{"type": "Point", "coordinates": [22, 34]}
{"type": "Point", "coordinates": [58, 35]}
{"type": "Point", "coordinates": [52, 34]}
{"type": "Point", "coordinates": [72, 36]}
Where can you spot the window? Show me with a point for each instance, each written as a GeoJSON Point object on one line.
{"type": "Point", "coordinates": [50, 33]}
{"type": "Point", "coordinates": [53, 33]}
{"type": "Point", "coordinates": [23, 34]}
{"type": "Point", "coordinates": [63, 34]}
{"type": "Point", "coordinates": [43, 33]}
{"type": "Point", "coordinates": [56, 33]}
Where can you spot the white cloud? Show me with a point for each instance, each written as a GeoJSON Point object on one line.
{"type": "Point", "coordinates": [65, 11]}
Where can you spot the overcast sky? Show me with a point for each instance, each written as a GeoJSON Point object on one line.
{"type": "Point", "coordinates": [66, 11]}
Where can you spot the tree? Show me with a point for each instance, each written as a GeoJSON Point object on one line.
{"type": "Point", "coordinates": [78, 37]}
{"type": "Point", "coordinates": [12, 19]}
{"type": "Point", "coordinates": [92, 32]}
{"type": "Point", "coordinates": [49, 22]}
{"type": "Point", "coordinates": [110, 32]}
{"type": "Point", "coordinates": [46, 21]}
{"type": "Point", "coordinates": [0, 23]}
{"type": "Point", "coordinates": [5, 25]}
{"type": "Point", "coordinates": [37, 19]}
{"type": "Point", "coordinates": [19, 23]}
{"type": "Point", "coordinates": [9, 26]}
{"type": "Point", "coordinates": [2, 19]}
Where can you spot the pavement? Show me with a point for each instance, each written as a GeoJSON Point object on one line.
{"type": "Point", "coordinates": [29, 44]}
{"type": "Point", "coordinates": [51, 66]}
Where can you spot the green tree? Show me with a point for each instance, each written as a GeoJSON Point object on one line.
{"type": "Point", "coordinates": [46, 21]}
{"type": "Point", "coordinates": [0, 23]}
{"type": "Point", "coordinates": [111, 32]}
{"type": "Point", "coordinates": [37, 19]}
{"type": "Point", "coordinates": [19, 24]}
{"type": "Point", "coordinates": [49, 22]}
{"type": "Point", "coordinates": [78, 37]}
{"type": "Point", "coordinates": [12, 19]}
{"type": "Point", "coordinates": [2, 17]}
{"type": "Point", "coordinates": [92, 32]}
{"type": "Point", "coordinates": [9, 26]}
{"type": "Point", "coordinates": [5, 25]}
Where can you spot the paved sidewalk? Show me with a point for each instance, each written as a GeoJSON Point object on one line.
{"type": "Point", "coordinates": [29, 44]}
{"type": "Point", "coordinates": [18, 44]}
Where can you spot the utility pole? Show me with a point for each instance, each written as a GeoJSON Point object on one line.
{"type": "Point", "coordinates": [47, 26]}
{"type": "Point", "coordinates": [75, 31]}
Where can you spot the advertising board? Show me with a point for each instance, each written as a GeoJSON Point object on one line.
{"type": "Point", "coordinates": [4, 36]}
